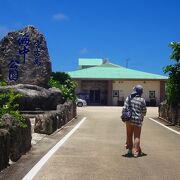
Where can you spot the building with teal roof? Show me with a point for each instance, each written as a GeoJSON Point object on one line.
{"type": "Point", "coordinates": [103, 83]}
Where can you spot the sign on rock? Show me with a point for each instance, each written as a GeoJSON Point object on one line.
{"type": "Point", "coordinates": [24, 58]}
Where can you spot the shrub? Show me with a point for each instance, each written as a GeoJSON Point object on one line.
{"type": "Point", "coordinates": [8, 105]}
{"type": "Point", "coordinates": [64, 82]}
{"type": "Point", "coordinates": [2, 83]}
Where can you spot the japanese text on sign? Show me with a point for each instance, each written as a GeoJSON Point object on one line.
{"type": "Point", "coordinates": [23, 42]}
{"type": "Point", "coordinates": [37, 53]}
{"type": "Point", "coordinates": [13, 70]}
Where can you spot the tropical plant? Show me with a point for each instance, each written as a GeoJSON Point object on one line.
{"type": "Point", "coordinates": [2, 83]}
{"type": "Point", "coordinates": [8, 105]}
{"type": "Point", "coordinates": [173, 82]}
{"type": "Point", "coordinates": [64, 82]}
{"type": "Point", "coordinates": [176, 51]}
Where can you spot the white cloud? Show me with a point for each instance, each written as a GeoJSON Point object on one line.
{"type": "Point", "coordinates": [60, 17]}
{"type": "Point", "coordinates": [83, 51]}
{"type": "Point", "coordinates": [3, 31]}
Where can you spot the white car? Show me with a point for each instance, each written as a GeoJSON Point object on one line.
{"type": "Point", "coordinates": [81, 102]}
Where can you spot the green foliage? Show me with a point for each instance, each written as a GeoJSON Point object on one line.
{"type": "Point", "coordinates": [176, 51]}
{"type": "Point", "coordinates": [2, 83]}
{"type": "Point", "coordinates": [173, 82]}
{"type": "Point", "coordinates": [8, 105]}
{"type": "Point", "coordinates": [64, 82]}
{"type": "Point", "coordinates": [62, 77]}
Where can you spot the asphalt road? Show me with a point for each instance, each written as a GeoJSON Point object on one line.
{"type": "Point", "coordinates": [95, 151]}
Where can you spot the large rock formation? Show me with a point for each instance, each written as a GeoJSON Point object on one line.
{"type": "Point", "coordinates": [24, 58]}
{"type": "Point", "coordinates": [35, 97]}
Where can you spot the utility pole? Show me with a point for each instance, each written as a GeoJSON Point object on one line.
{"type": "Point", "coordinates": [127, 61]}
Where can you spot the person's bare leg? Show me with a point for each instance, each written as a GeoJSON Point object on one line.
{"type": "Point", "coordinates": [137, 134]}
{"type": "Point", "coordinates": [129, 136]}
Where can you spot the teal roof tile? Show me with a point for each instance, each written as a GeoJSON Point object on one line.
{"type": "Point", "coordinates": [112, 71]}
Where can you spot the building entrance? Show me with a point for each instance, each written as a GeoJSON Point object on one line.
{"type": "Point", "coordinates": [94, 96]}
{"type": "Point", "coordinates": [96, 90]}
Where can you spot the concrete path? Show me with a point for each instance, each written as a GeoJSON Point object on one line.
{"type": "Point", "coordinates": [95, 151]}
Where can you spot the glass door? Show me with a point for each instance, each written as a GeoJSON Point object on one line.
{"type": "Point", "coordinates": [94, 96]}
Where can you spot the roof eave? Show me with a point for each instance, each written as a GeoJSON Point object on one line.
{"type": "Point", "coordinates": [134, 79]}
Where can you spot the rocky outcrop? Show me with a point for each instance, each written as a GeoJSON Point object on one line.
{"type": "Point", "coordinates": [164, 110]}
{"type": "Point", "coordinates": [44, 123]}
{"type": "Point", "coordinates": [20, 138]}
{"type": "Point", "coordinates": [170, 113]}
{"type": "Point", "coordinates": [35, 97]}
{"type": "Point", "coordinates": [50, 121]}
{"type": "Point", "coordinates": [5, 148]}
{"type": "Point", "coordinates": [24, 58]}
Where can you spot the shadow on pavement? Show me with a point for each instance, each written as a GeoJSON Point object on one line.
{"type": "Point", "coordinates": [169, 124]}
{"type": "Point", "coordinates": [131, 155]}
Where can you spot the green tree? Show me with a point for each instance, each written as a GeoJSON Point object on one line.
{"type": "Point", "coordinates": [62, 77]}
{"type": "Point", "coordinates": [176, 51]}
{"type": "Point", "coordinates": [64, 82]}
{"type": "Point", "coordinates": [173, 82]}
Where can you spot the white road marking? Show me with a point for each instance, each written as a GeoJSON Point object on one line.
{"type": "Point", "coordinates": [165, 126]}
{"type": "Point", "coordinates": [45, 158]}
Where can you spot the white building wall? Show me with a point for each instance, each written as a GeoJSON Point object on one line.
{"type": "Point", "coordinates": [78, 88]}
{"type": "Point", "coordinates": [125, 88]}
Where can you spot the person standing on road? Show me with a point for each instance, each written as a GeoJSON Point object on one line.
{"type": "Point", "coordinates": [133, 126]}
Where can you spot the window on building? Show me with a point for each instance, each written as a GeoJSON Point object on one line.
{"type": "Point", "coordinates": [152, 94]}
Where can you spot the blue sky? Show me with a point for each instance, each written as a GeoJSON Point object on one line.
{"type": "Point", "coordinates": [137, 30]}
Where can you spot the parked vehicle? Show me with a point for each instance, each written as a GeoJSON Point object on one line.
{"type": "Point", "coordinates": [81, 102]}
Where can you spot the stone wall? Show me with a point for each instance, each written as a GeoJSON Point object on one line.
{"type": "Point", "coordinates": [169, 113]}
{"type": "Point", "coordinates": [178, 115]}
{"type": "Point", "coordinates": [50, 121]}
{"type": "Point", "coordinates": [4, 150]}
{"type": "Point", "coordinates": [14, 140]}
